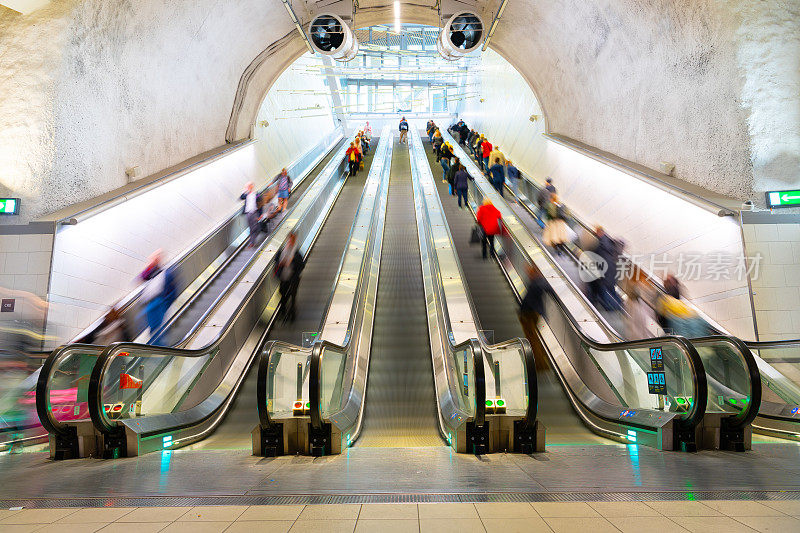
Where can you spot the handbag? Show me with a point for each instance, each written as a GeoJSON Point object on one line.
{"type": "Point", "coordinates": [476, 236]}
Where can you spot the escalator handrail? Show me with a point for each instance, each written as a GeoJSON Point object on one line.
{"type": "Point", "coordinates": [42, 396]}
{"type": "Point", "coordinates": [316, 351]}
{"type": "Point", "coordinates": [695, 415]}
{"type": "Point", "coordinates": [43, 408]}
{"type": "Point", "coordinates": [478, 347]}
{"type": "Point", "coordinates": [124, 304]}
{"type": "Point", "coordinates": [743, 417]}
{"type": "Point", "coordinates": [96, 410]}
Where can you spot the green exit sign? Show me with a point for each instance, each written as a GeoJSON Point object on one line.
{"type": "Point", "coordinates": [9, 206]}
{"type": "Point", "coordinates": [783, 199]}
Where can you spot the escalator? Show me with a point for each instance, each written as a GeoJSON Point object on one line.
{"type": "Point", "coordinates": [400, 401]}
{"type": "Point", "coordinates": [496, 306]}
{"type": "Point", "coordinates": [188, 388]}
{"type": "Point", "coordinates": [732, 365]}
{"type": "Point", "coordinates": [776, 362]}
{"type": "Point", "coordinates": [202, 272]}
{"type": "Point", "coordinates": [605, 379]}
{"type": "Point", "coordinates": [427, 374]}
{"type": "Point", "coordinates": [312, 300]}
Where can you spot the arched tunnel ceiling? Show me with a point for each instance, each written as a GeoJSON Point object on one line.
{"type": "Point", "coordinates": [648, 81]}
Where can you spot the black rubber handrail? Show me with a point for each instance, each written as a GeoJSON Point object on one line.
{"type": "Point", "coordinates": [744, 417]}
{"type": "Point", "coordinates": [315, 356]}
{"type": "Point", "coordinates": [107, 353]}
{"type": "Point", "coordinates": [697, 408]}
{"type": "Point", "coordinates": [736, 421]}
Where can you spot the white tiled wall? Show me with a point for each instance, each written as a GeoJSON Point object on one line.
{"type": "Point", "coordinates": [651, 220]}
{"type": "Point", "coordinates": [776, 290]}
{"type": "Point", "coordinates": [25, 262]}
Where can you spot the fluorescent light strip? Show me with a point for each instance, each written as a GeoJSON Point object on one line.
{"type": "Point", "coordinates": [397, 28]}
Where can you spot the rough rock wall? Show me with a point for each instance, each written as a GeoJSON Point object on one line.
{"type": "Point", "coordinates": [91, 87]}
{"type": "Point", "coordinates": [647, 80]}
{"type": "Point", "coordinates": [661, 231]}
{"type": "Point", "coordinates": [102, 86]}
{"type": "Point", "coordinates": [30, 53]}
{"type": "Point", "coordinates": [768, 54]}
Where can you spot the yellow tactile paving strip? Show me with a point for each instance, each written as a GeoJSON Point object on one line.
{"type": "Point", "coordinates": [558, 517]}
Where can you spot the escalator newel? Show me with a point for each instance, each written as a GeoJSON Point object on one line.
{"type": "Point", "coordinates": [525, 437]}
{"type": "Point", "coordinates": [319, 440]}
{"type": "Point", "coordinates": [65, 446]}
{"type": "Point", "coordinates": [684, 440]}
{"type": "Point", "coordinates": [731, 439]}
{"type": "Point", "coordinates": [115, 444]}
{"type": "Point", "coordinates": [478, 438]}
{"type": "Point", "coordinates": [271, 440]}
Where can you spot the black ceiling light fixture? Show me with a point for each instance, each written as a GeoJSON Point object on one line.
{"type": "Point", "coordinates": [331, 36]}
{"type": "Point", "coordinates": [463, 33]}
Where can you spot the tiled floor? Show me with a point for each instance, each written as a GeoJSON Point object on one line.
{"type": "Point", "coordinates": [558, 517]}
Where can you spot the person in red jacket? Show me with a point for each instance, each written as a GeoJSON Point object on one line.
{"type": "Point", "coordinates": [489, 219]}
{"type": "Point", "coordinates": [352, 158]}
{"type": "Point", "coordinates": [487, 150]}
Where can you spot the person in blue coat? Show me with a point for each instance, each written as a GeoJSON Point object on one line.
{"type": "Point", "coordinates": [497, 173]}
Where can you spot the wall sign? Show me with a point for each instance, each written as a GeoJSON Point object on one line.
{"type": "Point", "coordinates": [656, 359]}
{"type": "Point", "coordinates": [656, 383]}
{"type": "Point", "coordinates": [9, 206]}
{"type": "Point", "coordinates": [7, 305]}
{"type": "Point", "coordinates": [778, 199]}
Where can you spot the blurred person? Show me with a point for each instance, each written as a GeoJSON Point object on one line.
{"type": "Point", "coordinates": [461, 184]}
{"type": "Point", "coordinates": [446, 153]}
{"type": "Point", "coordinates": [610, 250]}
{"type": "Point", "coordinates": [513, 176]}
{"type": "Point", "coordinates": [556, 234]}
{"type": "Point", "coordinates": [284, 189]}
{"type": "Point", "coordinates": [490, 221]}
{"type": "Point", "coordinates": [113, 328]}
{"type": "Point", "coordinates": [364, 143]}
{"type": "Point", "coordinates": [430, 130]}
{"type": "Point", "coordinates": [543, 199]}
{"type": "Point", "coordinates": [159, 292]}
{"type": "Point", "coordinates": [403, 130]}
{"type": "Point", "coordinates": [438, 140]}
{"type": "Point", "coordinates": [368, 132]}
{"type": "Point", "coordinates": [464, 133]}
{"type": "Point", "coordinates": [486, 151]}
{"type": "Point", "coordinates": [477, 140]}
{"type": "Point", "coordinates": [22, 331]}
{"type": "Point", "coordinates": [497, 174]}
{"type": "Point", "coordinates": [269, 210]}
{"type": "Point", "coordinates": [637, 326]}
{"type": "Point", "coordinates": [251, 211]}
{"type": "Point", "coordinates": [287, 270]}
{"type": "Point", "coordinates": [531, 310]}
{"type": "Point", "coordinates": [352, 159]}
{"type": "Point", "coordinates": [497, 154]}
{"type": "Point", "coordinates": [680, 319]}
{"type": "Point", "coordinates": [451, 176]}
{"type": "Point", "coordinates": [673, 288]}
